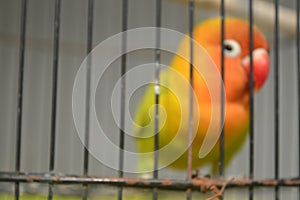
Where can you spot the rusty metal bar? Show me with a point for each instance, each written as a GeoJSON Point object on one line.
{"type": "Point", "coordinates": [200, 184]}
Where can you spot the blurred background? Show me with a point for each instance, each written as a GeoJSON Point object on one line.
{"type": "Point", "coordinates": [36, 114]}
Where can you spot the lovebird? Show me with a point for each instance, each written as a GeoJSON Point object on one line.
{"type": "Point", "coordinates": [174, 116]}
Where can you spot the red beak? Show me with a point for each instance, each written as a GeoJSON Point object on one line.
{"type": "Point", "coordinates": [261, 66]}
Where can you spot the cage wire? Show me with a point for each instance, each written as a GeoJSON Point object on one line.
{"type": "Point", "coordinates": [43, 44]}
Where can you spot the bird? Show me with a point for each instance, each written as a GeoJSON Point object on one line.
{"type": "Point", "coordinates": [174, 97]}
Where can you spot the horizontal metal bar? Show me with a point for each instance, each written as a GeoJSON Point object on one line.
{"type": "Point", "coordinates": [202, 184]}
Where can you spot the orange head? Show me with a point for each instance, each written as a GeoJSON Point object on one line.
{"type": "Point", "coordinates": [236, 51]}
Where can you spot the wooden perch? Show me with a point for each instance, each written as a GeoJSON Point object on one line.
{"type": "Point", "coordinates": [263, 13]}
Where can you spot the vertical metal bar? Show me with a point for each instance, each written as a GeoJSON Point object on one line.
{"type": "Point", "coordinates": [298, 68]}
{"type": "Point", "coordinates": [88, 95]}
{"type": "Point", "coordinates": [20, 94]}
{"type": "Point", "coordinates": [157, 88]}
{"type": "Point", "coordinates": [54, 91]}
{"type": "Point", "coordinates": [191, 102]}
{"type": "Point", "coordinates": [276, 78]}
{"type": "Point", "coordinates": [123, 93]}
{"type": "Point", "coordinates": [157, 93]}
{"type": "Point", "coordinates": [222, 149]}
{"type": "Point", "coordinates": [251, 88]}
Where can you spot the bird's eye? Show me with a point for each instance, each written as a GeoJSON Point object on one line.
{"type": "Point", "coordinates": [232, 48]}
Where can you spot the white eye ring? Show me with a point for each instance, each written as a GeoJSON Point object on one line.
{"type": "Point", "coordinates": [232, 48]}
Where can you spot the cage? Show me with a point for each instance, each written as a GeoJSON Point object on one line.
{"type": "Point", "coordinates": [44, 45]}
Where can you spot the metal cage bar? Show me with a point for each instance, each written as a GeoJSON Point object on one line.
{"type": "Point", "coordinates": [276, 97]}
{"type": "Point", "coordinates": [157, 92]}
{"type": "Point", "coordinates": [57, 9]}
{"type": "Point", "coordinates": [123, 93]}
{"type": "Point", "coordinates": [191, 97]}
{"type": "Point", "coordinates": [167, 184]}
{"type": "Point", "coordinates": [298, 81]}
{"type": "Point", "coordinates": [222, 141]}
{"type": "Point", "coordinates": [88, 94]}
{"type": "Point", "coordinates": [20, 95]}
{"type": "Point", "coordinates": [251, 92]}
{"type": "Point", "coordinates": [155, 183]}
{"type": "Point", "coordinates": [222, 117]}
